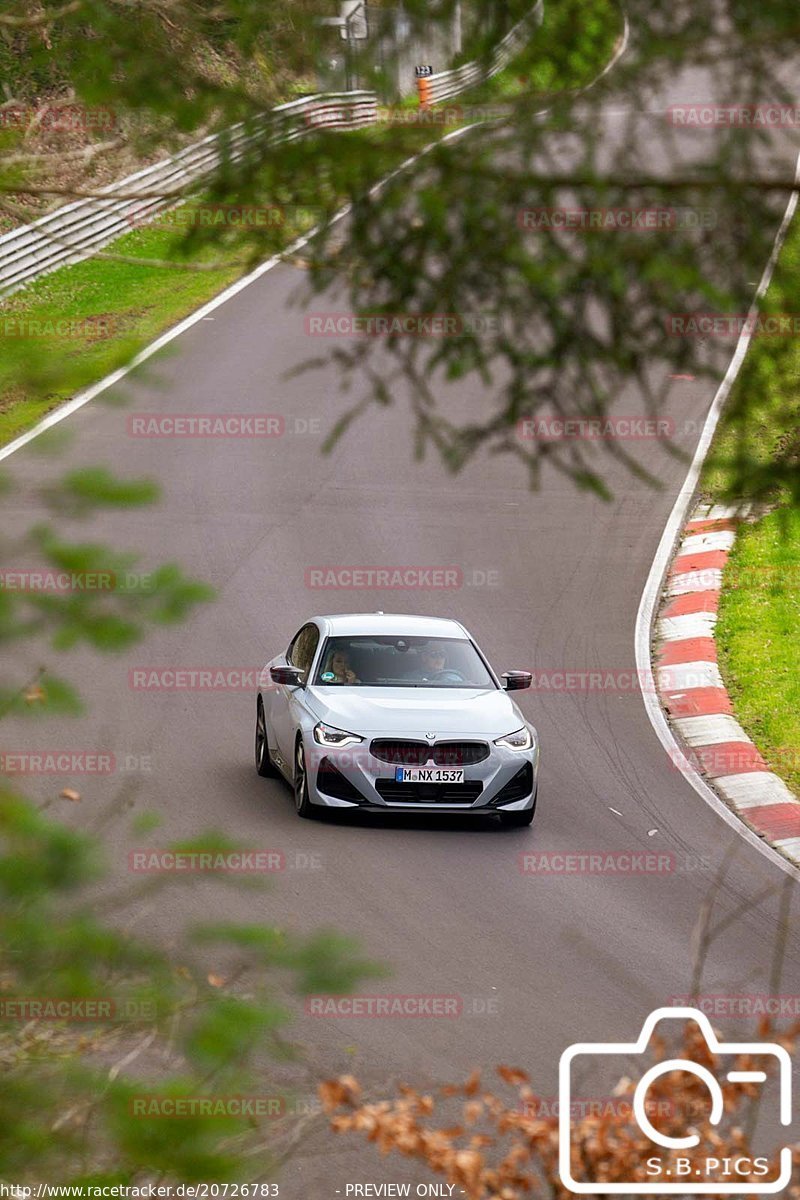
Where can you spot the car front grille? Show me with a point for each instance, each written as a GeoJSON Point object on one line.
{"type": "Point", "coordinates": [429, 793]}
{"type": "Point", "coordinates": [459, 754]}
{"type": "Point", "coordinates": [417, 754]}
{"type": "Point", "coordinates": [400, 754]}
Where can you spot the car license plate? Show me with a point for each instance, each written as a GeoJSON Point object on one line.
{"type": "Point", "coordinates": [429, 775]}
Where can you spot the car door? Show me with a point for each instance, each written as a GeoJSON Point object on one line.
{"type": "Point", "coordinates": [289, 702]}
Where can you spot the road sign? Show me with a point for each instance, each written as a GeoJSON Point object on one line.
{"type": "Point", "coordinates": [353, 20]}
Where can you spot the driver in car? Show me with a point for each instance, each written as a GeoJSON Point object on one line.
{"type": "Point", "coordinates": [433, 660]}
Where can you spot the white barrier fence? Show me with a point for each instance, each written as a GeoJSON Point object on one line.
{"type": "Point", "coordinates": [73, 232]}
{"type": "Point", "coordinates": [79, 229]}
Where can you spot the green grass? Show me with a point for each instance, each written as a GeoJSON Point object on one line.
{"type": "Point", "coordinates": [568, 51]}
{"type": "Point", "coordinates": [758, 638]}
{"type": "Point", "coordinates": [755, 444]}
{"type": "Point", "coordinates": [755, 455]}
{"type": "Point", "coordinates": [143, 301]}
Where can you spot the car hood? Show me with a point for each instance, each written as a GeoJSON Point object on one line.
{"type": "Point", "coordinates": [441, 711]}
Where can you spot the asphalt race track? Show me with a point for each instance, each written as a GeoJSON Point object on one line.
{"type": "Point", "coordinates": [551, 581]}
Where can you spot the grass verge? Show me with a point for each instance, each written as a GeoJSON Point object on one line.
{"type": "Point", "coordinates": [756, 455]}
{"type": "Point", "coordinates": [93, 316]}
{"type": "Point", "coordinates": [570, 48]}
{"type": "Point", "coordinates": [758, 638]}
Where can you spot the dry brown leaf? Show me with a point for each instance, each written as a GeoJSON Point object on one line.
{"type": "Point", "coordinates": [472, 1084]}
{"type": "Point", "coordinates": [513, 1075]}
{"type": "Point", "coordinates": [69, 794]}
{"type": "Point", "coordinates": [335, 1092]}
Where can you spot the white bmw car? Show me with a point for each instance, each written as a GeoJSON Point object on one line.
{"type": "Point", "coordinates": [390, 712]}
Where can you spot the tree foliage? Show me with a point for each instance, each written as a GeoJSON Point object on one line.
{"type": "Point", "coordinates": [556, 322]}
{"type": "Point", "coordinates": [103, 1030]}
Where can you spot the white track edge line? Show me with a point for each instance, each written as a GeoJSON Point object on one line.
{"type": "Point", "coordinates": [663, 557]}
{"type": "Point", "coordinates": [70, 406]}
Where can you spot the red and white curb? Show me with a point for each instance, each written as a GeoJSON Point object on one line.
{"type": "Point", "coordinates": [692, 690]}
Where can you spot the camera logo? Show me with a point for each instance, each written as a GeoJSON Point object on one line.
{"type": "Point", "coordinates": [668, 1170]}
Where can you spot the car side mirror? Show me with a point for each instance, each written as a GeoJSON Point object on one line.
{"type": "Point", "coordinates": [288, 676]}
{"type": "Point", "coordinates": [515, 681]}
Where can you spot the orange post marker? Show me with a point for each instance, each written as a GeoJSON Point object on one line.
{"type": "Point", "coordinates": [424, 89]}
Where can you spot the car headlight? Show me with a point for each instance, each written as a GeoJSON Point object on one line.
{"type": "Point", "coordinates": [521, 739]}
{"type": "Point", "coordinates": [326, 735]}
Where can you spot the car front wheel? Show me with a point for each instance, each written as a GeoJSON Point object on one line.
{"type": "Point", "coordinates": [264, 765]}
{"type": "Point", "coordinates": [302, 801]}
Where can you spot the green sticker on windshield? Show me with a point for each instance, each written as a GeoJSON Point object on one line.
{"type": "Point", "coordinates": [327, 676]}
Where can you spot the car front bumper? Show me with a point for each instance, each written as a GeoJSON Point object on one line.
{"type": "Point", "coordinates": [351, 777]}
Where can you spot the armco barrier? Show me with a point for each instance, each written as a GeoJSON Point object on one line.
{"type": "Point", "coordinates": [77, 230]}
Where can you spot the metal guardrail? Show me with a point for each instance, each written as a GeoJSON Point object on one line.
{"type": "Point", "coordinates": [447, 84]}
{"type": "Point", "coordinates": [77, 230]}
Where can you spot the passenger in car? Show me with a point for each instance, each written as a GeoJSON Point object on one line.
{"type": "Point", "coordinates": [339, 665]}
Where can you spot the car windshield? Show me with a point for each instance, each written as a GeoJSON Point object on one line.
{"type": "Point", "coordinates": [401, 662]}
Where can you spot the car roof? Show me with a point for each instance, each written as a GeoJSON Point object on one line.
{"type": "Point", "coordinates": [391, 625]}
